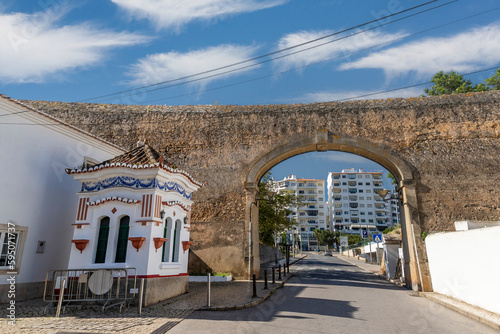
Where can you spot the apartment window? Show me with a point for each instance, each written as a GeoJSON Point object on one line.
{"type": "Point", "coordinates": [369, 205]}
{"type": "Point", "coordinates": [344, 176]}
{"type": "Point", "coordinates": [360, 190]}
{"type": "Point", "coordinates": [361, 198]}
{"type": "Point", "coordinates": [370, 220]}
{"type": "Point", "coordinates": [367, 183]}
{"type": "Point", "coordinates": [360, 183]}
{"type": "Point", "coordinates": [346, 205]}
{"type": "Point", "coordinates": [368, 198]}
{"type": "Point", "coordinates": [346, 212]}
{"type": "Point", "coordinates": [293, 184]}
{"type": "Point", "coordinates": [363, 220]}
{"type": "Point", "coordinates": [367, 176]}
{"type": "Point", "coordinates": [370, 213]}
{"type": "Point", "coordinates": [368, 190]}
{"type": "Point", "coordinates": [361, 205]}
{"type": "Point", "coordinates": [344, 190]}
{"type": "Point", "coordinates": [320, 199]}
{"type": "Point", "coordinates": [301, 184]}
{"type": "Point", "coordinates": [320, 192]}
{"type": "Point", "coordinates": [321, 206]}
{"type": "Point", "coordinates": [344, 183]}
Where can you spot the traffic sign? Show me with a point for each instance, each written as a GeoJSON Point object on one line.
{"type": "Point", "coordinates": [344, 242]}
{"type": "Point", "coordinates": [377, 238]}
{"type": "Point", "coordinates": [364, 234]}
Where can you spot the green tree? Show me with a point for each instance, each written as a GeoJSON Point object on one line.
{"type": "Point", "coordinates": [494, 81]}
{"type": "Point", "coordinates": [454, 83]}
{"type": "Point", "coordinates": [393, 179]}
{"type": "Point", "coordinates": [273, 211]}
{"type": "Point", "coordinates": [353, 238]}
{"type": "Point", "coordinates": [327, 237]}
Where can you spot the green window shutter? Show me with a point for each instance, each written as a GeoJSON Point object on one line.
{"type": "Point", "coordinates": [121, 245]}
{"type": "Point", "coordinates": [102, 241]}
{"type": "Point", "coordinates": [174, 249]}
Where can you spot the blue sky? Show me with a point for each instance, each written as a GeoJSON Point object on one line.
{"type": "Point", "coordinates": [80, 50]}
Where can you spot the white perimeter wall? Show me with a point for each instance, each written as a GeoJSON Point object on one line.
{"type": "Point", "coordinates": [35, 191]}
{"type": "Point", "coordinates": [466, 265]}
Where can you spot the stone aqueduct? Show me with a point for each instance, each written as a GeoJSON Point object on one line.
{"type": "Point", "coordinates": [444, 152]}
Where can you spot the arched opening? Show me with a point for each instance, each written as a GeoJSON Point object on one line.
{"type": "Point", "coordinates": [167, 245]}
{"type": "Point", "coordinates": [385, 157]}
{"type": "Point", "coordinates": [122, 242]}
{"type": "Point", "coordinates": [102, 240]}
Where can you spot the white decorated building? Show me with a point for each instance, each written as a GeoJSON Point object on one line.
{"type": "Point", "coordinates": [37, 198]}
{"type": "Point", "coordinates": [134, 212]}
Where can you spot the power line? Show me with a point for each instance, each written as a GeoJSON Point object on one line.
{"type": "Point", "coordinates": [262, 56]}
{"type": "Point", "coordinates": [326, 60]}
{"type": "Point", "coordinates": [272, 59]}
{"type": "Point", "coordinates": [216, 116]}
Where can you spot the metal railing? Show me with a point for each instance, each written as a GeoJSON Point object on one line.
{"type": "Point", "coordinates": [111, 286]}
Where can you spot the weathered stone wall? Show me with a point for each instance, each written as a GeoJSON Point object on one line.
{"type": "Point", "coordinates": [450, 142]}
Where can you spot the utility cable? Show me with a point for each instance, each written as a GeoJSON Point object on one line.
{"type": "Point", "coordinates": [265, 55]}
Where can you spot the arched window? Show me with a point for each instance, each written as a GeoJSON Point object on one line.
{"type": "Point", "coordinates": [102, 241]}
{"type": "Point", "coordinates": [166, 245]}
{"type": "Point", "coordinates": [176, 241]}
{"type": "Point", "coordinates": [121, 245]}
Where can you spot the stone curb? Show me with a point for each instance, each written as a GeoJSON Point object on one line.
{"type": "Point", "coordinates": [473, 312]}
{"type": "Point", "coordinates": [256, 302]}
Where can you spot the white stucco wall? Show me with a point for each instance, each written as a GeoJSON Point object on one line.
{"type": "Point", "coordinates": [465, 265]}
{"type": "Point", "coordinates": [35, 190]}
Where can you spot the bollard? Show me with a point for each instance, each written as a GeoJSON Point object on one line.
{"type": "Point", "coordinates": [254, 279]}
{"type": "Point", "coordinates": [265, 279]}
{"type": "Point", "coordinates": [208, 290]}
{"type": "Point", "coordinates": [141, 295]}
{"type": "Point", "coordinates": [279, 272]}
{"type": "Point", "coordinates": [274, 281]}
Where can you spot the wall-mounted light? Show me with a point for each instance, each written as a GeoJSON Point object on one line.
{"type": "Point", "coordinates": [162, 214]}
{"type": "Point", "coordinates": [186, 220]}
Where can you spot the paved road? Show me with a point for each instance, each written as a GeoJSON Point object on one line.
{"type": "Point", "coordinates": [328, 295]}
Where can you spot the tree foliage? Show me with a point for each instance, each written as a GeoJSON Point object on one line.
{"type": "Point", "coordinates": [273, 211]}
{"type": "Point", "coordinates": [327, 237]}
{"type": "Point", "coordinates": [454, 83]}
{"type": "Point", "coordinates": [353, 238]}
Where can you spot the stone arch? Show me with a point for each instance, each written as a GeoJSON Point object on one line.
{"type": "Point", "coordinates": [415, 270]}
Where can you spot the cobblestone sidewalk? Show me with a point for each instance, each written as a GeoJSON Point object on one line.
{"type": "Point", "coordinates": [158, 318]}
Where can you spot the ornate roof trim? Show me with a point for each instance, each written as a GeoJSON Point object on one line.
{"type": "Point", "coordinates": [113, 198]}
{"type": "Point", "coordinates": [172, 203]}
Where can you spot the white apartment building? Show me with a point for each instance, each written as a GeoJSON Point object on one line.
{"type": "Point", "coordinates": [354, 205]}
{"type": "Point", "coordinates": [312, 214]}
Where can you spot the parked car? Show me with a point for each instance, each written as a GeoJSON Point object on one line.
{"type": "Point", "coordinates": [328, 253]}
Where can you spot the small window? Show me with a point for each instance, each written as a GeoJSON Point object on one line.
{"type": "Point", "coordinates": [12, 239]}
{"type": "Point", "coordinates": [121, 245]}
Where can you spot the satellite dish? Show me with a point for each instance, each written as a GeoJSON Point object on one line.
{"type": "Point", "coordinates": [101, 282]}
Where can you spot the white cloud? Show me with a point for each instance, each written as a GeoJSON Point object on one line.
{"type": "Point", "coordinates": [464, 52]}
{"type": "Point", "coordinates": [172, 65]}
{"type": "Point", "coordinates": [340, 48]}
{"type": "Point", "coordinates": [173, 14]}
{"type": "Point", "coordinates": [339, 157]}
{"type": "Point", "coordinates": [359, 95]}
{"type": "Point", "coordinates": [34, 47]}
